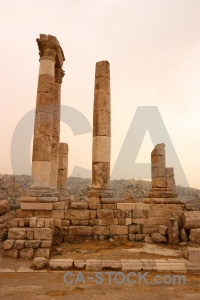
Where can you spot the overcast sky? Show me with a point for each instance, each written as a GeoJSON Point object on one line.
{"type": "Point", "coordinates": [153, 47]}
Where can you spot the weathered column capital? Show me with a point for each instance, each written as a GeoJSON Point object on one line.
{"type": "Point", "coordinates": [49, 47]}
{"type": "Point", "coordinates": [59, 74]}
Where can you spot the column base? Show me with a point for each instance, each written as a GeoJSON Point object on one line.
{"type": "Point", "coordinates": [164, 201]}
{"type": "Point", "coordinates": [162, 193]}
{"type": "Point", "coordinates": [101, 192]}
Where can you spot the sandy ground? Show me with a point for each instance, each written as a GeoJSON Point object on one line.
{"type": "Point", "coordinates": [51, 285]}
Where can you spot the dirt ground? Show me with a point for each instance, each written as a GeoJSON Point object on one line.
{"type": "Point", "coordinates": [51, 285]}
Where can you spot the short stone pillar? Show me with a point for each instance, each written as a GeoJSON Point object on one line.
{"type": "Point", "coordinates": [59, 73]}
{"type": "Point", "coordinates": [163, 182]}
{"type": "Point", "coordinates": [62, 166]}
{"type": "Point", "coordinates": [173, 231]}
{"type": "Point", "coordinates": [101, 132]}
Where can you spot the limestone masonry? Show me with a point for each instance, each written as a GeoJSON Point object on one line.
{"type": "Point", "coordinates": [48, 215]}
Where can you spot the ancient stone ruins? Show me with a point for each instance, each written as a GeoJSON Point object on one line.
{"type": "Point", "coordinates": [48, 215]}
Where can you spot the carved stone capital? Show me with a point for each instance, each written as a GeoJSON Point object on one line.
{"type": "Point", "coordinates": [59, 74]}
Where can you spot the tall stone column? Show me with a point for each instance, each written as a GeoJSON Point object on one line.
{"type": "Point", "coordinates": [51, 56]}
{"type": "Point", "coordinates": [41, 161]}
{"type": "Point", "coordinates": [101, 132]}
{"type": "Point", "coordinates": [62, 166]}
{"type": "Point", "coordinates": [59, 73]}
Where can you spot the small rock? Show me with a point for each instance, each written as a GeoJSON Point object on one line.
{"type": "Point", "coordinates": [39, 263]}
{"type": "Point", "coordinates": [159, 238]}
{"type": "Point", "coordinates": [111, 240]}
{"type": "Point", "coordinates": [183, 235]}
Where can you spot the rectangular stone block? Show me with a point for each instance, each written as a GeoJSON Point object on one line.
{"type": "Point", "coordinates": [28, 199]}
{"type": "Point", "coordinates": [157, 172]}
{"type": "Point", "coordinates": [59, 205]}
{"type": "Point", "coordinates": [32, 244]}
{"type": "Point", "coordinates": [191, 219]}
{"type": "Point", "coordinates": [8, 244]}
{"type": "Point", "coordinates": [61, 264]}
{"type": "Point", "coordinates": [79, 264]}
{"type": "Point", "coordinates": [36, 206]}
{"type": "Point", "coordinates": [79, 205]}
{"type": "Point", "coordinates": [118, 230]}
{"type": "Point", "coordinates": [126, 206]}
{"type": "Point", "coordinates": [30, 233]}
{"type": "Point", "coordinates": [111, 264]}
{"type": "Point", "coordinates": [131, 265]}
{"type": "Point", "coordinates": [80, 230]}
{"type": "Point", "coordinates": [49, 223]}
{"type": "Point", "coordinates": [43, 234]}
{"type": "Point", "coordinates": [12, 253]}
{"type": "Point", "coordinates": [93, 214]}
{"type": "Point", "coordinates": [158, 161]}
{"type": "Point", "coordinates": [42, 252]}
{"type": "Point", "coordinates": [33, 222]}
{"type": "Point", "coordinates": [19, 244]}
{"type": "Point", "coordinates": [27, 253]}
{"type": "Point", "coordinates": [58, 214]}
{"type": "Point", "coordinates": [41, 222]}
{"type": "Point", "coordinates": [159, 182]}
{"type": "Point", "coordinates": [76, 214]}
{"type": "Point", "coordinates": [46, 244]}
{"type": "Point", "coordinates": [17, 234]}
{"type": "Point", "coordinates": [105, 213]}
{"type": "Point", "coordinates": [93, 265]}
{"type": "Point", "coordinates": [101, 230]}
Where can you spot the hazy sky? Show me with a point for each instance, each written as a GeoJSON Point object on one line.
{"type": "Point", "coordinates": [153, 47]}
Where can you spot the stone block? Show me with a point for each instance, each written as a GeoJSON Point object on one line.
{"type": "Point", "coordinates": [33, 222]}
{"type": "Point", "coordinates": [158, 221]}
{"type": "Point", "coordinates": [163, 229]}
{"type": "Point", "coordinates": [50, 223]}
{"type": "Point", "coordinates": [93, 222]}
{"type": "Point", "coordinates": [58, 214]}
{"type": "Point", "coordinates": [183, 235]}
{"type": "Point", "coordinates": [101, 230]}
{"type": "Point", "coordinates": [13, 223]}
{"type": "Point", "coordinates": [131, 265]}
{"type": "Point", "coordinates": [193, 254]}
{"type": "Point", "coordinates": [157, 172]}
{"type": "Point", "coordinates": [135, 228]}
{"type": "Point", "coordinates": [32, 244]}
{"type": "Point", "coordinates": [36, 206]}
{"type": "Point", "coordinates": [79, 264]}
{"type": "Point", "coordinates": [118, 230]}
{"type": "Point", "coordinates": [158, 238]}
{"type": "Point", "coordinates": [94, 205]}
{"type": "Point", "coordinates": [80, 230]}
{"type": "Point", "coordinates": [11, 253]}
{"type": "Point", "coordinates": [158, 161]}
{"type": "Point", "coordinates": [21, 222]}
{"type": "Point", "coordinates": [194, 236]}
{"type": "Point", "coordinates": [43, 234]}
{"type": "Point", "coordinates": [173, 231]}
{"type": "Point", "coordinates": [190, 207]}
{"type": "Point", "coordinates": [191, 219]}
{"type": "Point", "coordinates": [46, 244]}
{"type": "Point", "coordinates": [42, 252]}
{"type": "Point", "coordinates": [28, 199]}
{"type": "Point", "coordinates": [17, 233]}
{"type": "Point", "coordinates": [79, 205]}
{"type": "Point", "coordinates": [76, 214]}
{"type": "Point", "coordinates": [105, 213]}
{"type": "Point", "coordinates": [93, 214]}
{"type": "Point", "coordinates": [111, 264]}
{"type": "Point", "coordinates": [30, 233]}
{"type": "Point", "coordinates": [19, 244]}
{"type": "Point", "coordinates": [41, 222]}
{"type": "Point", "coordinates": [158, 182]}
{"type": "Point", "coordinates": [59, 205]}
{"type": "Point", "coordinates": [27, 253]}
{"type": "Point", "coordinates": [75, 222]}
{"type": "Point", "coordinates": [8, 244]}
{"type": "Point", "coordinates": [121, 221]}
{"type": "Point", "coordinates": [126, 206]}
{"type": "Point", "coordinates": [93, 265]}
{"type": "Point", "coordinates": [83, 222]}
{"type": "Point", "coordinates": [61, 264]}
{"type": "Point", "coordinates": [131, 237]}
{"type": "Point", "coordinates": [148, 265]}
{"type": "Point", "coordinates": [128, 221]}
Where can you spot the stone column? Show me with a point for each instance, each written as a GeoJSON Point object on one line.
{"type": "Point", "coordinates": [101, 131]}
{"type": "Point", "coordinates": [63, 166]}
{"type": "Point", "coordinates": [59, 73]}
{"type": "Point", "coordinates": [46, 127]}
{"type": "Point", "coordinates": [41, 160]}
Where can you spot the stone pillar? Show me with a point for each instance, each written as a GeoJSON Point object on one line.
{"type": "Point", "coordinates": [51, 56]}
{"type": "Point", "coordinates": [59, 73]}
{"type": "Point", "coordinates": [173, 231]}
{"type": "Point", "coordinates": [41, 161]}
{"type": "Point", "coordinates": [101, 132]}
{"type": "Point", "coordinates": [63, 166]}
{"type": "Point", "coordinates": [163, 183]}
